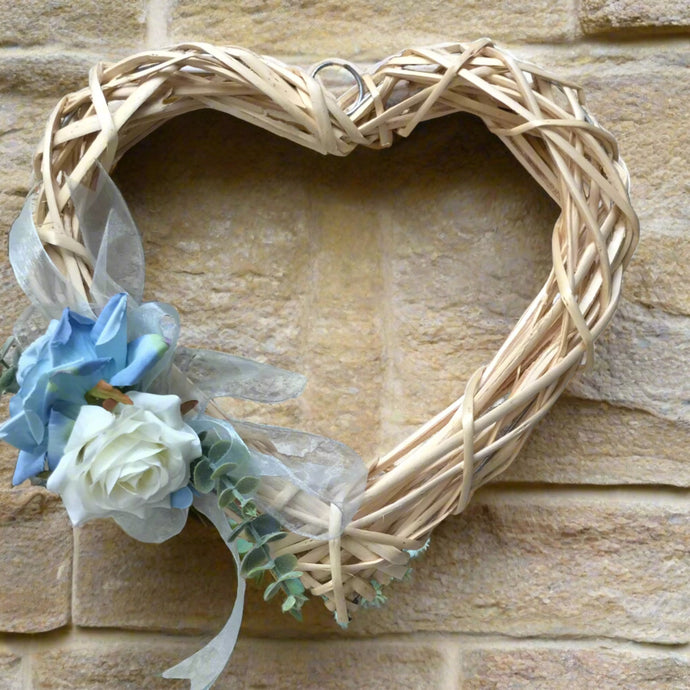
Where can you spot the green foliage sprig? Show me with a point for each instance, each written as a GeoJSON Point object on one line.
{"type": "Point", "coordinates": [223, 468]}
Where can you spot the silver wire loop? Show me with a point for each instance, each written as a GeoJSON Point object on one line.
{"type": "Point", "coordinates": [349, 67]}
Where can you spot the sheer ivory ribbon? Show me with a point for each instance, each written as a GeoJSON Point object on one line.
{"type": "Point", "coordinates": [203, 667]}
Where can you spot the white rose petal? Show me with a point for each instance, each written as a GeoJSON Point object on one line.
{"type": "Point", "coordinates": [125, 464]}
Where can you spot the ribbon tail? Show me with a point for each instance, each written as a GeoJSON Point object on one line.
{"type": "Point", "coordinates": [203, 667]}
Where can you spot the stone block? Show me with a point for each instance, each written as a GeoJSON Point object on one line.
{"type": "Point", "coordinates": [45, 76]}
{"type": "Point", "coordinates": [255, 664]}
{"type": "Point", "coordinates": [634, 16]}
{"type": "Point", "coordinates": [538, 667]}
{"type": "Point", "coordinates": [35, 561]}
{"type": "Point", "coordinates": [365, 29]}
{"type": "Point", "coordinates": [659, 274]}
{"type": "Point", "coordinates": [641, 362]}
{"type": "Point", "coordinates": [586, 442]}
{"type": "Point", "coordinates": [112, 25]}
{"type": "Point", "coordinates": [269, 251]}
{"type": "Point", "coordinates": [414, 665]}
{"type": "Point", "coordinates": [111, 664]}
{"type": "Point", "coordinates": [22, 120]}
{"type": "Point", "coordinates": [11, 677]}
{"type": "Point", "coordinates": [186, 584]}
{"type": "Point", "coordinates": [554, 564]}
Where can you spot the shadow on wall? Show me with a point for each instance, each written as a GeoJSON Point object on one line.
{"type": "Point", "coordinates": [385, 276]}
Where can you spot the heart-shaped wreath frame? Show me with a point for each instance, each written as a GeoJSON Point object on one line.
{"type": "Point", "coordinates": [540, 118]}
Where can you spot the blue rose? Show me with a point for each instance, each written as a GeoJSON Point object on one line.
{"type": "Point", "coordinates": [57, 370]}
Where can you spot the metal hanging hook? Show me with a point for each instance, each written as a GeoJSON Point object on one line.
{"type": "Point", "coordinates": [349, 67]}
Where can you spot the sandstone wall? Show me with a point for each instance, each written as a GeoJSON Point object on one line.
{"type": "Point", "coordinates": [386, 278]}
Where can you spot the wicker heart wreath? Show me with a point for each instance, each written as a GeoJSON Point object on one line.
{"type": "Point", "coordinates": [121, 422]}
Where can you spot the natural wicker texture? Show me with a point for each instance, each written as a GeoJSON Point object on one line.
{"type": "Point", "coordinates": [538, 116]}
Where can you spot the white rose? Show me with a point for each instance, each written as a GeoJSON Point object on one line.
{"type": "Point", "coordinates": [125, 464]}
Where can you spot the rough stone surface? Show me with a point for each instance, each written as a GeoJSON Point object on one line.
{"type": "Point", "coordinates": [109, 664]}
{"type": "Point", "coordinates": [639, 363]}
{"type": "Point", "coordinates": [22, 119]}
{"type": "Point", "coordinates": [108, 25]}
{"type": "Point", "coordinates": [44, 74]}
{"type": "Point", "coordinates": [607, 16]}
{"type": "Point", "coordinates": [10, 671]}
{"type": "Point", "coordinates": [556, 668]}
{"type": "Point", "coordinates": [341, 666]}
{"type": "Point", "coordinates": [659, 274]}
{"type": "Point", "coordinates": [186, 584]}
{"type": "Point", "coordinates": [365, 29]}
{"type": "Point", "coordinates": [183, 584]}
{"type": "Point", "coordinates": [551, 564]}
{"type": "Point", "coordinates": [267, 270]}
{"type": "Point", "coordinates": [255, 665]}
{"type": "Point", "coordinates": [587, 442]}
{"type": "Point", "coordinates": [35, 561]}
{"type": "Point", "coordinates": [443, 327]}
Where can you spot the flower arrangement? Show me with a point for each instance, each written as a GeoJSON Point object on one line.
{"type": "Point", "coordinates": [111, 413]}
{"type": "Point", "coordinates": [93, 419]}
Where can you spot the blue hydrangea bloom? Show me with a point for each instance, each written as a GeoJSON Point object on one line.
{"type": "Point", "coordinates": [57, 370]}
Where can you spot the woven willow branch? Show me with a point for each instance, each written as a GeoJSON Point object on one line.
{"type": "Point", "coordinates": [541, 119]}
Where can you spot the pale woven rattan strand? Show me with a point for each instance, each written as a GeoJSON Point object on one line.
{"type": "Point", "coordinates": [541, 119]}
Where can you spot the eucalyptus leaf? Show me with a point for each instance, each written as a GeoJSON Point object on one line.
{"type": "Point", "coordinates": [223, 470]}
{"type": "Point", "coordinates": [254, 562]}
{"type": "Point", "coordinates": [272, 590]}
{"type": "Point", "coordinates": [266, 539]}
{"type": "Point", "coordinates": [265, 524]}
{"type": "Point", "coordinates": [295, 587]}
{"type": "Point", "coordinates": [243, 546]}
{"type": "Point", "coordinates": [247, 485]}
{"type": "Point", "coordinates": [226, 497]}
{"type": "Point", "coordinates": [293, 575]}
{"type": "Point", "coordinates": [218, 451]}
{"type": "Point", "coordinates": [202, 478]}
{"type": "Point", "coordinates": [238, 529]}
{"type": "Point", "coordinates": [210, 436]}
{"type": "Point", "coordinates": [289, 603]}
{"type": "Point", "coordinates": [285, 563]}
{"type": "Point", "coordinates": [8, 381]}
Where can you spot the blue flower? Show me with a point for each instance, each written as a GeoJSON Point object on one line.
{"type": "Point", "coordinates": [57, 370]}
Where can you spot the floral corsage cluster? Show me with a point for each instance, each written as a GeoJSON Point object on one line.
{"type": "Point", "coordinates": [82, 419]}
{"type": "Point", "coordinates": [104, 413]}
